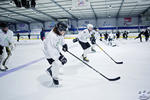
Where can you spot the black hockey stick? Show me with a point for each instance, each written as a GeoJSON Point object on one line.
{"type": "Point", "coordinates": [110, 79]}
{"type": "Point", "coordinates": [109, 55]}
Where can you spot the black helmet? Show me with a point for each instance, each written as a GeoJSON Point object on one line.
{"type": "Point", "coordinates": [61, 26]}
{"type": "Point", "coordinates": [3, 25]}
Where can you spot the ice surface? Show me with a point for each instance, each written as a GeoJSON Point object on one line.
{"type": "Point", "coordinates": [78, 82]}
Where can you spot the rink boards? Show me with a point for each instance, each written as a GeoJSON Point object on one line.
{"type": "Point", "coordinates": [69, 36]}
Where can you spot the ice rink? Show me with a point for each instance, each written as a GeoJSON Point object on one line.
{"type": "Point", "coordinates": [27, 79]}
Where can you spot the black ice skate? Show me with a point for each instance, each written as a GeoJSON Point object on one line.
{"type": "Point", "coordinates": [93, 50]}
{"type": "Point", "coordinates": [55, 81]}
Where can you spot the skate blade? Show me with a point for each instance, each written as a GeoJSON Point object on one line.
{"type": "Point", "coordinates": [86, 61]}
{"type": "Point", "coordinates": [3, 70]}
{"type": "Point", "coordinates": [55, 86]}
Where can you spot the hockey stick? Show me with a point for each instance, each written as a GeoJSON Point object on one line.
{"type": "Point", "coordinates": [110, 79]}
{"type": "Point", "coordinates": [109, 55]}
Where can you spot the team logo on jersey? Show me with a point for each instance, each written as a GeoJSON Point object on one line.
{"type": "Point", "coordinates": [144, 95]}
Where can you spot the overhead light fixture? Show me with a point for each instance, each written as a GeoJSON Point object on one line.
{"type": "Point", "coordinates": [109, 6]}
{"type": "Point", "coordinates": [9, 15]}
{"type": "Point", "coordinates": [70, 9]}
{"type": "Point", "coordinates": [11, 3]}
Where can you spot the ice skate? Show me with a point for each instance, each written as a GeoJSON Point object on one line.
{"type": "Point", "coordinates": [55, 81]}
{"type": "Point", "coordinates": [85, 58]}
{"type": "Point", "coordinates": [93, 50]}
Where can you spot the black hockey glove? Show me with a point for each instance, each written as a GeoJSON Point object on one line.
{"type": "Point", "coordinates": [65, 48]}
{"type": "Point", "coordinates": [75, 40]}
{"type": "Point", "coordinates": [62, 59]}
{"type": "Point", "coordinates": [93, 40]}
{"type": "Point", "coordinates": [51, 60]}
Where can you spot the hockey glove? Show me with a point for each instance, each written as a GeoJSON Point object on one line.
{"type": "Point", "coordinates": [65, 48]}
{"type": "Point", "coordinates": [51, 60]}
{"type": "Point", "coordinates": [62, 59]}
{"type": "Point", "coordinates": [75, 40]}
{"type": "Point", "coordinates": [93, 40]}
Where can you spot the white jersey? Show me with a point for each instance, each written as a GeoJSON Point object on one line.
{"type": "Point", "coordinates": [84, 35]}
{"type": "Point", "coordinates": [96, 34]}
{"type": "Point", "coordinates": [6, 38]}
{"type": "Point", "coordinates": [111, 36]}
{"type": "Point", "coordinates": [51, 45]}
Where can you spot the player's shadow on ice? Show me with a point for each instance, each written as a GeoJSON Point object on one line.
{"type": "Point", "coordinates": [45, 80]}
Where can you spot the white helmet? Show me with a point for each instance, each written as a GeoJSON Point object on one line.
{"type": "Point", "coordinates": [89, 25]}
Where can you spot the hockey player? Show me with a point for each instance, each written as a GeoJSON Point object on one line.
{"type": "Point", "coordinates": [101, 36]}
{"type": "Point", "coordinates": [6, 41]}
{"type": "Point", "coordinates": [106, 36]}
{"type": "Point", "coordinates": [146, 34]}
{"type": "Point", "coordinates": [18, 37]}
{"type": "Point", "coordinates": [140, 36]}
{"type": "Point", "coordinates": [42, 34]}
{"type": "Point", "coordinates": [93, 38]}
{"type": "Point", "coordinates": [98, 34]}
{"type": "Point", "coordinates": [111, 37]}
{"type": "Point", "coordinates": [83, 41]}
{"type": "Point", "coordinates": [118, 34]}
{"type": "Point", "coordinates": [52, 52]}
{"type": "Point", "coordinates": [125, 35]}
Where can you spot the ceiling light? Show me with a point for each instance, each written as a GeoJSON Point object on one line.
{"type": "Point", "coordinates": [109, 6]}
{"type": "Point", "coordinates": [9, 15]}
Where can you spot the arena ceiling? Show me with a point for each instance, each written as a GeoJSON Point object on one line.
{"type": "Point", "coordinates": [47, 10]}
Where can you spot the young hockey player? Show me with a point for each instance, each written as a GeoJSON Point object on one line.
{"type": "Point", "coordinates": [98, 34]}
{"type": "Point", "coordinates": [53, 40]}
{"type": "Point", "coordinates": [106, 36]}
{"type": "Point", "coordinates": [140, 36]}
{"type": "Point", "coordinates": [6, 41]}
{"type": "Point", "coordinates": [93, 38]}
{"type": "Point", "coordinates": [18, 37]}
{"type": "Point", "coordinates": [101, 37]}
{"type": "Point", "coordinates": [125, 35]}
{"type": "Point", "coordinates": [83, 40]}
{"type": "Point", "coordinates": [111, 37]}
{"type": "Point", "coordinates": [146, 34]}
{"type": "Point", "coordinates": [118, 34]}
{"type": "Point", "coordinates": [42, 34]}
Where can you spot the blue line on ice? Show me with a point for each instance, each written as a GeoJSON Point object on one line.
{"type": "Point", "coordinates": [20, 67]}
